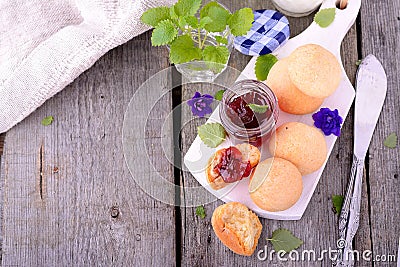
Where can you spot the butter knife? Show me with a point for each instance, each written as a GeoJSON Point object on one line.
{"type": "Point", "coordinates": [371, 86]}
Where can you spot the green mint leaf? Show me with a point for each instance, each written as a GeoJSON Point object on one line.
{"type": "Point", "coordinates": [204, 21]}
{"type": "Point", "coordinates": [47, 121]}
{"type": "Point", "coordinates": [358, 62]}
{"type": "Point", "coordinates": [264, 64]}
{"type": "Point", "coordinates": [172, 14]}
{"type": "Point", "coordinates": [218, 14]}
{"type": "Point", "coordinates": [216, 57]}
{"type": "Point", "coordinates": [241, 21]}
{"type": "Point", "coordinates": [218, 95]}
{"type": "Point", "coordinates": [337, 201]}
{"type": "Point", "coordinates": [325, 17]}
{"type": "Point", "coordinates": [153, 16]}
{"type": "Point", "coordinates": [212, 134]}
{"type": "Point", "coordinates": [283, 239]}
{"type": "Point", "coordinates": [258, 108]}
{"type": "Point", "coordinates": [187, 7]}
{"type": "Point", "coordinates": [391, 141]}
{"type": "Point", "coordinates": [192, 21]}
{"type": "Point", "coordinates": [221, 40]}
{"type": "Point", "coordinates": [164, 33]}
{"type": "Point", "coordinates": [182, 50]}
{"type": "Point", "coordinates": [201, 212]}
{"type": "Point", "coordinates": [182, 23]}
{"type": "Point", "coordinates": [217, 54]}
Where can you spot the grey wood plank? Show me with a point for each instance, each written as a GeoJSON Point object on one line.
{"type": "Point", "coordinates": [318, 227]}
{"type": "Point", "coordinates": [2, 136]}
{"type": "Point", "coordinates": [381, 37]}
{"type": "Point", "coordinates": [69, 199]}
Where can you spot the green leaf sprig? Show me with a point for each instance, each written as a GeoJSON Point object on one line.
{"type": "Point", "coordinates": [186, 34]}
{"type": "Point", "coordinates": [325, 17]}
{"type": "Point", "coordinates": [263, 65]}
{"type": "Point", "coordinates": [47, 121]}
{"type": "Point", "coordinates": [283, 239]}
{"type": "Point", "coordinates": [391, 141]}
{"type": "Point", "coordinates": [337, 201]}
{"type": "Point", "coordinates": [258, 108]}
{"type": "Point", "coordinates": [201, 212]}
{"type": "Point", "coordinates": [212, 134]}
{"type": "Point", "coordinates": [219, 94]}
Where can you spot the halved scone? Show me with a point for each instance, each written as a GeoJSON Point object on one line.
{"type": "Point", "coordinates": [213, 176]}
{"type": "Point", "coordinates": [237, 227]}
{"type": "Point", "coordinates": [250, 153]}
{"type": "Point", "coordinates": [231, 164]}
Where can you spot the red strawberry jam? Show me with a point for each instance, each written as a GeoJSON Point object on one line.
{"type": "Point", "coordinates": [242, 124]}
{"type": "Point", "coordinates": [231, 167]}
{"type": "Point", "coordinates": [242, 115]}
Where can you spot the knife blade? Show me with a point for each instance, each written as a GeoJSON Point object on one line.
{"type": "Point", "coordinates": [371, 84]}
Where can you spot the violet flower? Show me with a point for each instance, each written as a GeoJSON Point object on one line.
{"type": "Point", "coordinates": [201, 104]}
{"type": "Point", "coordinates": [328, 121]}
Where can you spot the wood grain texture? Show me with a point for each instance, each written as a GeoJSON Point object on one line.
{"type": "Point", "coordinates": [318, 227]}
{"type": "Point", "coordinates": [69, 199]}
{"type": "Point", "coordinates": [2, 136]}
{"type": "Point", "coordinates": [381, 36]}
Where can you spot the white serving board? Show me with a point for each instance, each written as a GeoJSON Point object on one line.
{"type": "Point", "coordinates": [331, 37]}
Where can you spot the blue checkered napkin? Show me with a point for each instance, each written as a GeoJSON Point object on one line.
{"type": "Point", "coordinates": [269, 31]}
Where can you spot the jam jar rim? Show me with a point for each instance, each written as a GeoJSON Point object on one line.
{"type": "Point", "coordinates": [265, 127]}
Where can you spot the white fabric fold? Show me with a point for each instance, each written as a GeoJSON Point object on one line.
{"type": "Point", "coordinates": [45, 45]}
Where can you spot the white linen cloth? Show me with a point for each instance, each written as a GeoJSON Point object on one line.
{"type": "Point", "coordinates": [45, 45]}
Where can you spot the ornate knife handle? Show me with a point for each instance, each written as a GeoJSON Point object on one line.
{"type": "Point", "coordinates": [350, 215]}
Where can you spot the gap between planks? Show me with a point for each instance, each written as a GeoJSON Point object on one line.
{"type": "Point", "coordinates": [2, 136]}
{"type": "Point", "coordinates": [176, 128]}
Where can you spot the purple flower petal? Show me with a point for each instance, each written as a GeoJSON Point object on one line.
{"type": "Point", "coordinates": [201, 104]}
{"type": "Point", "coordinates": [196, 95]}
{"type": "Point", "coordinates": [336, 131]}
{"type": "Point", "coordinates": [207, 110]}
{"type": "Point", "coordinates": [195, 111]}
{"type": "Point", "coordinates": [327, 131]}
{"type": "Point", "coordinates": [328, 121]}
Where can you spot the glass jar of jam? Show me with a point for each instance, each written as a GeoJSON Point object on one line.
{"type": "Point", "coordinates": [244, 122]}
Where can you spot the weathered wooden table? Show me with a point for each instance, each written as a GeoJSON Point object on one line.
{"type": "Point", "coordinates": [68, 197]}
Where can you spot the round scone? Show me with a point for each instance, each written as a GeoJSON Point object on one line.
{"type": "Point", "coordinates": [237, 227]}
{"type": "Point", "coordinates": [290, 99]}
{"type": "Point", "coordinates": [314, 70]}
{"type": "Point", "coordinates": [302, 145]}
{"type": "Point", "coordinates": [279, 185]}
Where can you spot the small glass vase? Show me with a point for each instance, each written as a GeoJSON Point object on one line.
{"type": "Point", "coordinates": [204, 71]}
